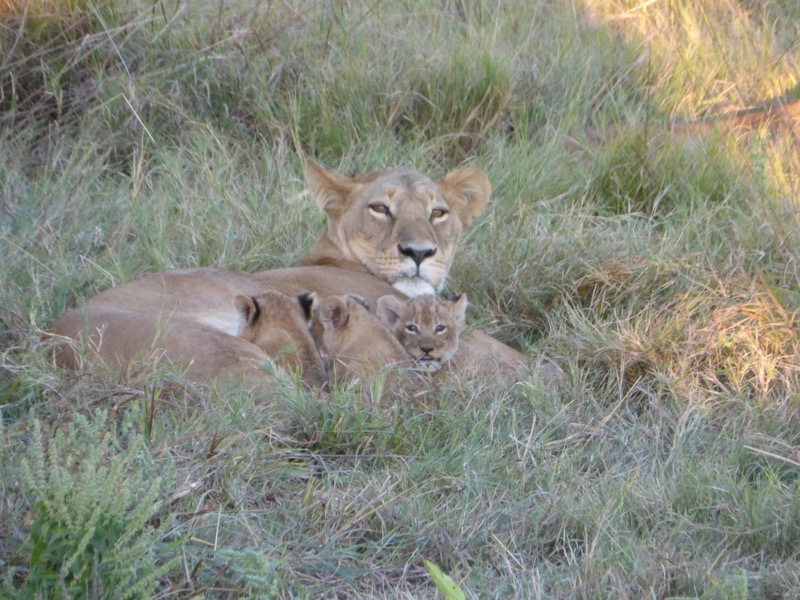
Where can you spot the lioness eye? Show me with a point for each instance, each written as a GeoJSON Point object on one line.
{"type": "Point", "coordinates": [438, 214]}
{"type": "Point", "coordinates": [380, 209]}
{"type": "Point", "coordinates": [441, 329]}
{"type": "Point", "coordinates": [411, 328]}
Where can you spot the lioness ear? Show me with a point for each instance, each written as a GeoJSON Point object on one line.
{"type": "Point", "coordinates": [460, 311]}
{"type": "Point", "coordinates": [388, 310]}
{"type": "Point", "coordinates": [248, 311]}
{"type": "Point", "coordinates": [330, 190]}
{"type": "Point", "coordinates": [467, 193]}
{"type": "Point", "coordinates": [334, 312]}
{"type": "Point", "coordinates": [308, 302]}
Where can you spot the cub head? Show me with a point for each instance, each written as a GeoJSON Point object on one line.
{"type": "Point", "coordinates": [398, 224]}
{"type": "Point", "coordinates": [354, 341]}
{"type": "Point", "coordinates": [427, 326]}
{"type": "Point", "coordinates": [278, 324]}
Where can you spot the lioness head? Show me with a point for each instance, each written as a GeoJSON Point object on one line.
{"type": "Point", "coordinates": [428, 327]}
{"type": "Point", "coordinates": [398, 224]}
{"type": "Point", "coordinates": [354, 341]}
{"type": "Point", "coordinates": [278, 324]}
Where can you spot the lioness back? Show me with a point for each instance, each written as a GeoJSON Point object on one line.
{"type": "Point", "coordinates": [270, 326]}
{"type": "Point", "coordinates": [85, 339]}
{"type": "Point", "coordinates": [428, 327]}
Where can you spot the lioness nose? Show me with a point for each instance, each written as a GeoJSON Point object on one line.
{"type": "Point", "coordinates": [416, 254]}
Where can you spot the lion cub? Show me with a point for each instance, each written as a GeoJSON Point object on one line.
{"type": "Point", "coordinates": [352, 339]}
{"type": "Point", "coordinates": [427, 326]}
{"type": "Point", "coordinates": [278, 324]}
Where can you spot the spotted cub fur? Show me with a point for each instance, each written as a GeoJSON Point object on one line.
{"type": "Point", "coordinates": [427, 326]}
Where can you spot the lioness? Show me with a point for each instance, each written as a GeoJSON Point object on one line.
{"type": "Point", "coordinates": [428, 327]}
{"type": "Point", "coordinates": [392, 231]}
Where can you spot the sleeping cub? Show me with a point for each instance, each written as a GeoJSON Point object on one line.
{"type": "Point", "coordinates": [427, 326]}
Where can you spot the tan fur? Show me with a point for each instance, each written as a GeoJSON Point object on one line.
{"type": "Point", "coordinates": [397, 224]}
{"type": "Point", "coordinates": [370, 219]}
{"type": "Point", "coordinates": [477, 351]}
{"type": "Point", "coordinates": [120, 336]}
{"type": "Point", "coordinates": [428, 327]}
{"type": "Point", "coordinates": [355, 342]}
{"type": "Point", "coordinates": [278, 324]}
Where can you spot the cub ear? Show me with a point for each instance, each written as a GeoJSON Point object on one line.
{"type": "Point", "coordinates": [460, 311]}
{"type": "Point", "coordinates": [248, 309]}
{"type": "Point", "coordinates": [334, 313]}
{"type": "Point", "coordinates": [467, 193]}
{"type": "Point", "coordinates": [308, 302]}
{"type": "Point", "coordinates": [388, 310]}
{"type": "Point", "coordinates": [331, 191]}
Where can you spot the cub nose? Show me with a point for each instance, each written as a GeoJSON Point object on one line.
{"type": "Point", "coordinates": [416, 254]}
{"type": "Point", "coordinates": [426, 349]}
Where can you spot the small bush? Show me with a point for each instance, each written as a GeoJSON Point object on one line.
{"type": "Point", "coordinates": [95, 506]}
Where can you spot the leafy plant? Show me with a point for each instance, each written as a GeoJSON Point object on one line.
{"type": "Point", "coordinates": [95, 506]}
{"type": "Point", "coordinates": [445, 583]}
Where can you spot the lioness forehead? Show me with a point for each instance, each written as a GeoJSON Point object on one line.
{"type": "Point", "coordinates": [410, 182]}
{"type": "Point", "coordinates": [401, 177]}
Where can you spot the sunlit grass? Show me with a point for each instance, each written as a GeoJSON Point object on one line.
{"type": "Point", "coordinates": [707, 57]}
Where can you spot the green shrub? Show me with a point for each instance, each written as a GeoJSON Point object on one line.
{"type": "Point", "coordinates": [95, 503]}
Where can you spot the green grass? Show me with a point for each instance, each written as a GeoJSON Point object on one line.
{"type": "Point", "coordinates": [659, 270]}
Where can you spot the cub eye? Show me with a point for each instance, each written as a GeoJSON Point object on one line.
{"type": "Point", "coordinates": [438, 214]}
{"type": "Point", "coordinates": [411, 328]}
{"type": "Point", "coordinates": [440, 329]}
{"type": "Point", "coordinates": [380, 209]}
